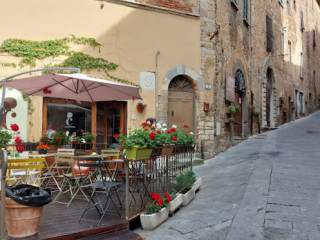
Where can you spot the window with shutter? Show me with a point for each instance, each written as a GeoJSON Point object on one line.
{"type": "Point", "coordinates": [269, 34]}
{"type": "Point", "coordinates": [302, 22]}
{"type": "Point", "coordinates": [314, 38]}
{"type": "Point", "coordinates": [281, 2]}
{"type": "Point", "coordinates": [245, 10]}
{"type": "Point", "coordinates": [234, 3]}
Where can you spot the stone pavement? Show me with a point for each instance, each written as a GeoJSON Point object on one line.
{"type": "Point", "coordinates": [267, 187]}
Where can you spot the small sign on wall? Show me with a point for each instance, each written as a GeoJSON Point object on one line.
{"type": "Point", "coordinates": [230, 85]}
{"type": "Point", "coordinates": [147, 80]}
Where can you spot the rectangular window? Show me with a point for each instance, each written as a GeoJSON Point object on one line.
{"type": "Point", "coordinates": [289, 48]}
{"type": "Point", "coordinates": [301, 65]}
{"type": "Point", "coordinates": [314, 38]}
{"type": "Point", "coordinates": [288, 7]}
{"type": "Point", "coordinates": [282, 43]}
{"type": "Point", "coordinates": [302, 22]}
{"type": "Point", "coordinates": [269, 33]}
{"type": "Point", "coordinates": [246, 10]}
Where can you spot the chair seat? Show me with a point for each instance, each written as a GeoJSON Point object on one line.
{"type": "Point", "coordinates": [102, 185]}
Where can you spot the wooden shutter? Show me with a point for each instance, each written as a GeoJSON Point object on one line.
{"type": "Point", "coordinates": [269, 34]}
{"type": "Point", "coordinates": [302, 22]}
{"type": "Point", "coordinates": [314, 38]}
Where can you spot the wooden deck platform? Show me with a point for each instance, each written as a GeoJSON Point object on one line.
{"type": "Point", "coordinates": [61, 222]}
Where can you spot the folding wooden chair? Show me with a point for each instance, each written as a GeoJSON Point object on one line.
{"type": "Point", "coordinates": [26, 171]}
{"type": "Point", "coordinates": [115, 165]}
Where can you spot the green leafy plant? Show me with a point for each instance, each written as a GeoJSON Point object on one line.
{"type": "Point", "coordinates": [185, 180]}
{"type": "Point", "coordinates": [58, 137]}
{"type": "Point", "coordinates": [88, 137]}
{"type": "Point", "coordinates": [6, 137]}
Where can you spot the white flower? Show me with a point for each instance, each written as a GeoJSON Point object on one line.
{"type": "Point", "coordinates": [67, 133]}
{"type": "Point", "coordinates": [148, 122]}
{"type": "Point", "coordinates": [164, 125]}
{"type": "Point", "coordinates": [174, 126]}
{"type": "Point", "coordinates": [191, 133]}
{"type": "Point", "coordinates": [164, 129]}
{"type": "Point", "coordinates": [158, 125]}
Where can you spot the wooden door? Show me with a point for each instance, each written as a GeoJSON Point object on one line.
{"type": "Point", "coordinates": [180, 108]}
{"type": "Point", "coordinates": [268, 99]}
{"type": "Point", "coordinates": [237, 125]}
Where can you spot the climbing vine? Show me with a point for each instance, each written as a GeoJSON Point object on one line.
{"type": "Point", "coordinates": [30, 51]}
{"type": "Point", "coordinates": [27, 98]}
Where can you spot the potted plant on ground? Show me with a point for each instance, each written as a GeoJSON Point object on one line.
{"type": "Point", "coordinates": [43, 148]}
{"type": "Point", "coordinates": [185, 182]}
{"type": "Point", "coordinates": [156, 212]}
{"type": "Point", "coordinates": [176, 201]}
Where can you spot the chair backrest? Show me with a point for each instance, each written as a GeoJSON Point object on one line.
{"type": "Point", "coordinates": [111, 153]}
{"type": "Point", "coordinates": [64, 163]}
{"type": "Point", "coordinates": [30, 166]}
{"type": "Point", "coordinates": [92, 163]}
{"type": "Point", "coordinates": [66, 150]}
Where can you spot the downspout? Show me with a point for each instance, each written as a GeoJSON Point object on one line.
{"type": "Point", "coordinates": [4, 164]}
{"type": "Point", "coordinates": [19, 74]}
{"type": "Point", "coordinates": [156, 86]}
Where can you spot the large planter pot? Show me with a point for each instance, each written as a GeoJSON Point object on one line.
{"type": "Point", "coordinates": [180, 148]}
{"type": "Point", "coordinates": [189, 148]}
{"type": "Point", "coordinates": [197, 184]}
{"type": "Point", "coordinates": [151, 221]}
{"type": "Point", "coordinates": [167, 149]}
{"type": "Point", "coordinates": [21, 220]}
{"type": "Point", "coordinates": [188, 197]}
{"type": "Point", "coordinates": [138, 153]}
{"type": "Point", "coordinates": [54, 148]}
{"type": "Point", "coordinates": [175, 204]}
{"type": "Point", "coordinates": [42, 151]}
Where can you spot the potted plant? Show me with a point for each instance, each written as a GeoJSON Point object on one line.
{"type": "Point", "coordinates": [55, 139]}
{"type": "Point", "coordinates": [141, 106]}
{"type": "Point", "coordinates": [139, 142]}
{"type": "Point", "coordinates": [43, 148]}
{"type": "Point", "coordinates": [6, 137]}
{"type": "Point", "coordinates": [156, 212]}
{"type": "Point", "coordinates": [150, 121]}
{"type": "Point", "coordinates": [176, 201]}
{"type": "Point", "coordinates": [185, 182]}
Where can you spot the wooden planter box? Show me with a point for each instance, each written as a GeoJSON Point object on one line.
{"type": "Point", "coordinates": [151, 221]}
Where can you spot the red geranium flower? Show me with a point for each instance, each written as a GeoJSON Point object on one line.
{"type": "Point", "coordinates": [173, 130]}
{"type": "Point", "coordinates": [160, 202]}
{"type": "Point", "coordinates": [185, 126]}
{"type": "Point", "coordinates": [116, 135]}
{"type": "Point", "coordinates": [146, 129]}
{"type": "Point", "coordinates": [18, 140]}
{"type": "Point", "coordinates": [153, 128]}
{"type": "Point", "coordinates": [168, 197]}
{"type": "Point", "coordinates": [58, 139]}
{"type": "Point", "coordinates": [159, 132]}
{"type": "Point", "coordinates": [174, 139]}
{"type": "Point", "coordinates": [42, 140]}
{"type": "Point", "coordinates": [14, 127]}
{"type": "Point", "coordinates": [152, 136]}
{"type": "Point", "coordinates": [20, 148]}
{"type": "Point", "coordinates": [155, 196]}
{"type": "Point", "coordinates": [120, 127]}
{"type": "Point", "coordinates": [54, 129]}
{"type": "Point", "coordinates": [144, 124]}
{"type": "Point", "coordinates": [168, 132]}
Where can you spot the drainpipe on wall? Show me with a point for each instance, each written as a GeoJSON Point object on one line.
{"type": "Point", "coordinates": [4, 164]}
{"type": "Point", "coordinates": [19, 74]}
{"type": "Point", "coordinates": [156, 86]}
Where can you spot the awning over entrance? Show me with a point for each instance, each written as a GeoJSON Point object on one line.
{"type": "Point", "coordinates": [79, 87]}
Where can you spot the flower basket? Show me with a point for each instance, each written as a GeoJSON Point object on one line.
{"type": "Point", "coordinates": [140, 108]}
{"type": "Point", "coordinates": [138, 153]}
{"type": "Point", "coordinates": [151, 221]}
{"type": "Point", "coordinates": [180, 148]}
{"type": "Point", "coordinates": [167, 149]}
{"type": "Point", "coordinates": [175, 204]}
{"type": "Point", "coordinates": [188, 197]}
{"type": "Point", "coordinates": [189, 148]}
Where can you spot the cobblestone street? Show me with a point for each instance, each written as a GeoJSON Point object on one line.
{"type": "Point", "coordinates": [267, 187]}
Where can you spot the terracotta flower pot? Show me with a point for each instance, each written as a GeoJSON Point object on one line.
{"type": "Point", "coordinates": [21, 220]}
{"type": "Point", "coordinates": [140, 108]}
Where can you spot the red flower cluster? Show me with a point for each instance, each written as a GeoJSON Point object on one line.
{"type": "Point", "coordinates": [58, 139]}
{"type": "Point", "coordinates": [158, 200]}
{"type": "Point", "coordinates": [46, 90]}
{"type": "Point", "coordinates": [15, 128]}
{"type": "Point", "coordinates": [152, 135]}
{"type": "Point", "coordinates": [144, 124]}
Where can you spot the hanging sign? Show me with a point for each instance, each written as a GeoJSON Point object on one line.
{"type": "Point", "coordinates": [230, 89]}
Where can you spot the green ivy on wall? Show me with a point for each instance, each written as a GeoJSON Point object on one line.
{"type": "Point", "coordinates": [30, 51]}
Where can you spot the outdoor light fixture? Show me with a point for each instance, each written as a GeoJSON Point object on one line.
{"type": "Point", "coordinates": [208, 86]}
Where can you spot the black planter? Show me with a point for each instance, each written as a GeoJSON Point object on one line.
{"type": "Point", "coordinates": [42, 151]}
{"type": "Point", "coordinates": [180, 148]}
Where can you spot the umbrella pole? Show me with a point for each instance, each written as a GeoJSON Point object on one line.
{"type": "Point", "coordinates": [18, 74]}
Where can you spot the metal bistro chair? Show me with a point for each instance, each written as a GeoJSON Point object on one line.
{"type": "Point", "coordinates": [102, 190]}
{"type": "Point", "coordinates": [70, 179]}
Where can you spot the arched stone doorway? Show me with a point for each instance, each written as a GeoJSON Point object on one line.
{"type": "Point", "coordinates": [269, 98]}
{"type": "Point", "coordinates": [181, 102]}
{"type": "Point", "coordinates": [240, 100]}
